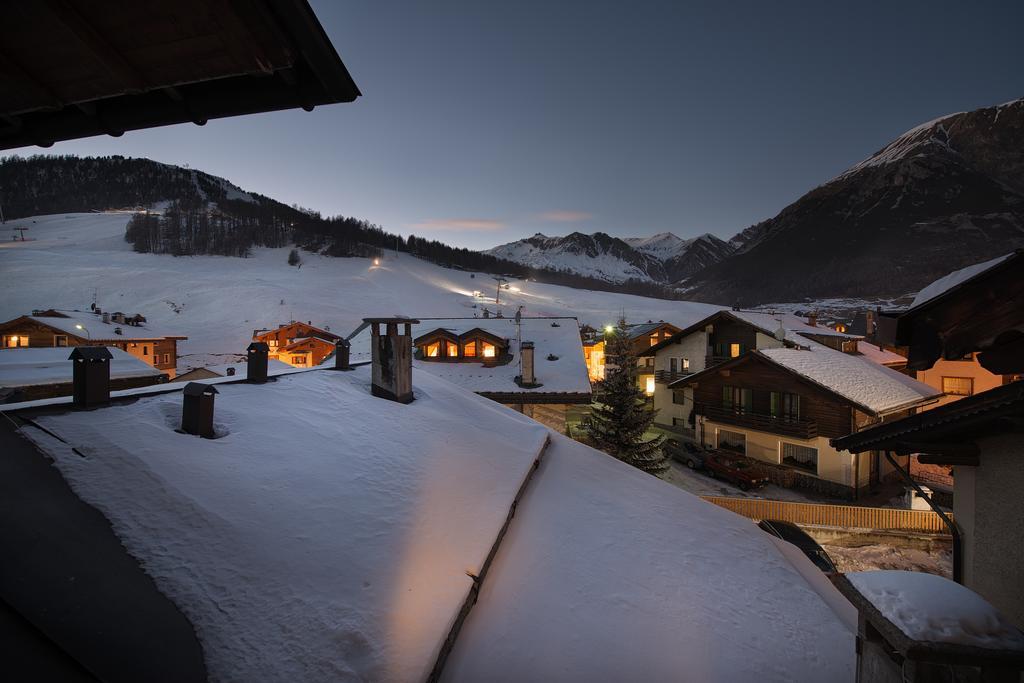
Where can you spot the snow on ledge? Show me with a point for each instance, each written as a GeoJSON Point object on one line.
{"type": "Point", "coordinates": [931, 608]}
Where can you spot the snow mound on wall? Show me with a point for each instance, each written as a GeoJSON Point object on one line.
{"type": "Point", "coordinates": [931, 608]}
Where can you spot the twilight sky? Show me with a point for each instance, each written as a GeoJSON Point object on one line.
{"type": "Point", "coordinates": [484, 122]}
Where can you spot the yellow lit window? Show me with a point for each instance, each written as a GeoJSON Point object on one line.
{"type": "Point", "coordinates": [654, 340]}
{"type": "Point", "coordinates": [734, 350]}
{"type": "Point", "coordinates": [649, 389]}
{"type": "Point", "coordinates": [958, 386]}
{"type": "Point", "coordinates": [470, 349]}
{"type": "Point", "coordinates": [489, 350]}
{"type": "Point", "coordinates": [433, 350]}
{"type": "Point", "coordinates": [15, 340]}
{"type": "Point", "coordinates": [453, 350]}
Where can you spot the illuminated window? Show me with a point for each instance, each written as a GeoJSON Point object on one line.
{"type": "Point", "coordinates": [470, 349]}
{"type": "Point", "coordinates": [453, 350]}
{"type": "Point", "coordinates": [649, 389]}
{"type": "Point", "coordinates": [298, 360]}
{"type": "Point", "coordinates": [734, 350]}
{"type": "Point", "coordinates": [489, 350]}
{"type": "Point", "coordinates": [654, 339]}
{"type": "Point", "coordinates": [15, 340]}
{"type": "Point", "coordinates": [686, 364]}
{"type": "Point", "coordinates": [433, 350]}
{"type": "Point", "coordinates": [958, 386]}
{"type": "Point", "coordinates": [272, 342]}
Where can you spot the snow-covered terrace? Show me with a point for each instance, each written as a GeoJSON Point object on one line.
{"type": "Point", "coordinates": [331, 535]}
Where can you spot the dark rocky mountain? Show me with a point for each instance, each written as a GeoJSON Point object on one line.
{"type": "Point", "coordinates": [942, 196]}
{"type": "Point", "coordinates": [662, 258]}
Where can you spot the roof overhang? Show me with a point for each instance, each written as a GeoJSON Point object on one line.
{"type": "Point", "coordinates": [982, 313]}
{"type": "Point", "coordinates": [72, 69]}
{"type": "Point", "coordinates": [946, 433]}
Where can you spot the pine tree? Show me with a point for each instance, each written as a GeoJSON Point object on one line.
{"type": "Point", "coordinates": [293, 258]}
{"type": "Point", "coordinates": [621, 415]}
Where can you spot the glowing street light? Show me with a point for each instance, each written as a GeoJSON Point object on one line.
{"type": "Point", "coordinates": [82, 328]}
{"type": "Point", "coordinates": [608, 329]}
{"type": "Point", "coordinates": [376, 262]}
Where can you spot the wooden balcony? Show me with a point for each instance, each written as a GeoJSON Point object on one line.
{"type": "Point", "coordinates": [667, 376]}
{"type": "Point", "coordinates": [801, 429]}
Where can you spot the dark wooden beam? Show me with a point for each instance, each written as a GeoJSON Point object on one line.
{"type": "Point", "coordinates": [936, 459]}
{"type": "Point", "coordinates": [963, 448]}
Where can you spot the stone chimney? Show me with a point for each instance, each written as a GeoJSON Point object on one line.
{"type": "Point", "coordinates": [342, 351]}
{"type": "Point", "coordinates": [392, 358]}
{"type": "Point", "coordinates": [256, 371]}
{"type": "Point", "coordinates": [528, 378]}
{"type": "Point", "coordinates": [812, 318]}
{"type": "Point", "coordinates": [197, 409]}
{"type": "Point", "coordinates": [91, 375]}
{"type": "Point", "coordinates": [106, 317]}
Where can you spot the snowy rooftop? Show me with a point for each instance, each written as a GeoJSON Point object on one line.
{"type": "Point", "coordinates": [33, 366]}
{"type": "Point", "coordinates": [957, 277]}
{"type": "Point", "coordinates": [331, 535]}
{"type": "Point", "coordinates": [931, 608]}
{"type": "Point", "coordinates": [872, 386]}
{"type": "Point", "coordinates": [96, 328]}
{"type": "Point", "coordinates": [877, 354]}
{"type": "Point", "coordinates": [794, 325]}
{"type": "Point", "coordinates": [551, 336]}
{"type": "Point", "coordinates": [274, 368]}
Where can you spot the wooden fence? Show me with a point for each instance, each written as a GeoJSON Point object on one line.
{"type": "Point", "coordinates": [851, 516]}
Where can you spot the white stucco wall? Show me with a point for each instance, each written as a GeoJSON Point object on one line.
{"type": "Point", "coordinates": [692, 347]}
{"type": "Point", "coordinates": [988, 506]}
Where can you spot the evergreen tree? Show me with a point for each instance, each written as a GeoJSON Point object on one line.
{"type": "Point", "coordinates": [293, 258]}
{"type": "Point", "coordinates": [621, 415]}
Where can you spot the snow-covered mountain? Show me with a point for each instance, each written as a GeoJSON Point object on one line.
{"type": "Point", "coordinates": [945, 194]}
{"type": "Point", "coordinates": [663, 258]}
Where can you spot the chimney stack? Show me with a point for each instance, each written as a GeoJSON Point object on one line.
{"type": "Point", "coordinates": [342, 349]}
{"type": "Point", "coordinates": [197, 409]}
{"type": "Point", "coordinates": [106, 317]}
{"type": "Point", "coordinates": [256, 372]}
{"type": "Point", "coordinates": [392, 358]}
{"type": "Point", "coordinates": [528, 378]}
{"type": "Point", "coordinates": [812, 319]}
{"type": "Point", "coordinates": [91, 375]}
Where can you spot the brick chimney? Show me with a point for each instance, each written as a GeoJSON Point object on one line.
{"type": "Point", "coordinates": [392, 358]}
{"type": "Point", "coordinates": [91, 378]}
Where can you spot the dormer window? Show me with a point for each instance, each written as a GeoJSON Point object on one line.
{"type": "Point", "coordinates": [489, 350]}
{"type": "Point", "coordinates": [473, 346]}
{"type": "Point", "coordinates": [432, 350]}
{"type": "Point", "coordinates": [469, 350]}
{"type": "Point", "coordinates": [453, 350]}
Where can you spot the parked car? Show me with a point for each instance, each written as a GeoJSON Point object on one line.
{"type": "Point", "coordinates": [686, 452]}
{"type": "Point", "coordinates": [791, 533]}
{"type": "Point", "coordinates": [734, 471]}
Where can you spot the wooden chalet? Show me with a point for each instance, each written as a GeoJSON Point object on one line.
{"type": "Point", "coordinates": [297, 343]}
{"type": "Point", "coordinates": [642, 337]}
{"type": "Point", "coordinates": [974, 311]}
{"type": "Point", "coordinates": [782, 406]}
{"type": "Point", "coordinates": [58, 328]}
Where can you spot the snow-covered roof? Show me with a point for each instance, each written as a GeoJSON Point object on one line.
{"type": "Point", "coordinates": [769, 323]}
{"type": "Point", "coordinates": [872, 386]}
{"type": "Point", "coordinates": [96, 328]}
{"type": "Point", "coordinates": [957, 277]}
{"type": "Point", "coordinates": [877, 354]}
{"type": "Point", "coordinates": [550, 336]}
{"type": "Point", "coordinates": [34, 366]}
{"type": "Point", "coordinates": [330, 535]}
{"type": "Point", "coordinates": [274, 367]}
{"type": "Point", "coordinates": [931, 608]}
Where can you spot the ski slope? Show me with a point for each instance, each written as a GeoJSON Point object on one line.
{"type": "Point", "coordinates": [218, 301]}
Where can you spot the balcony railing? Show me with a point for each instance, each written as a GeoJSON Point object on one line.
{"type": "Point", "coordinates": [669, 376]}
{"type": "Point", "coordinates": [803, 429]}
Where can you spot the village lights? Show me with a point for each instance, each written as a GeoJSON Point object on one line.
{"type": "Point", "coordinates": [376, 262]}
{"type": "Point", "coordinates": [81, 327]}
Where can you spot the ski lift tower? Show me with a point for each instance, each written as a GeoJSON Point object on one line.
{"type": "Point", "coordinates": [502, 284]}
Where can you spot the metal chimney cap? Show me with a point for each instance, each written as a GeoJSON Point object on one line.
{"type": "Point", "coordinates": [91, 353]}
{"type": "Point", "coordinates": [198, 389]}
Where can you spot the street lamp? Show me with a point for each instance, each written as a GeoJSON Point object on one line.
{"type": "Point", "coordinates": [82, 328]}
{"type": "Point", "coordinates": [608, 329]}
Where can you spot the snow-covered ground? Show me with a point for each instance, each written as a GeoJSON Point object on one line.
{"type": "Point", "coordinates": [218, 301]}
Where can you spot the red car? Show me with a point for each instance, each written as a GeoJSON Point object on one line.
{"type": "Point", "coordinates": [738, 472]}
